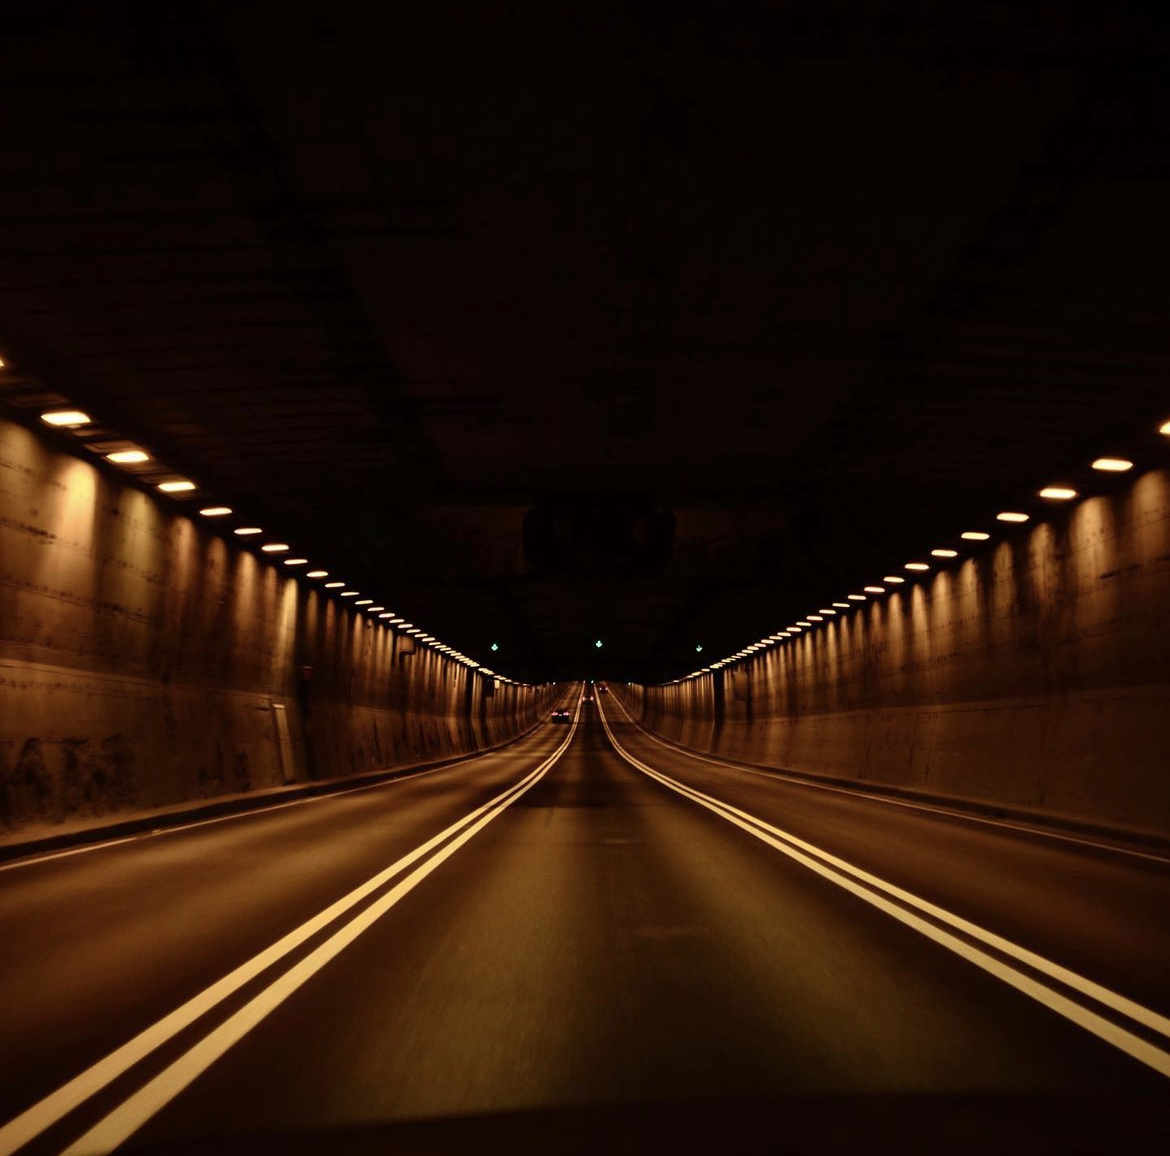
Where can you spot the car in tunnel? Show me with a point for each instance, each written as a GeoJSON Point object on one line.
{"type": "Point", "coordinates": [561, 716]}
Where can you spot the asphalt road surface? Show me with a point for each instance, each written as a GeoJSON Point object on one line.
{"type": "Point", "coordinates": [588, 941]}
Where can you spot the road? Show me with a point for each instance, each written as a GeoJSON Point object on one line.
{"type": "Point", "coordinates": [563, 947]}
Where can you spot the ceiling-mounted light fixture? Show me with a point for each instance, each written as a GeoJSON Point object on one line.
{"type": "Point", "coordinates": [66, 418]}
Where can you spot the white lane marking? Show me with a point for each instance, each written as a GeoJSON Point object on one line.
{"type": "Point", "coordinates": [129, 1116]}
{"type": "Point", "coordinates": [788, 844]}
{"type": "Point", "coordinates": [46, 856]}
{"type": "Point", "coordinates": [965, 816]}
{"type": "Point", "coordinates": [35, 859]}
{"type": "Point", "coordinates": [46, 1112]}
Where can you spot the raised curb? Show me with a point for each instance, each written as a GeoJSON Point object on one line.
{"type": "Point", "coordinates": [1124, 838]}
{"type": "Point", "coordinates": [160, 820]}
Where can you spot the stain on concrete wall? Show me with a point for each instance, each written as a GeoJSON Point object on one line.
{"type": "Point", "coordinates": [141, 656]}
{"type": "Point", "coordinates": [1034, 674]}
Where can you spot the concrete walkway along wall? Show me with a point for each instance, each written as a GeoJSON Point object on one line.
{"type": "Point", "coordinates": [1034, 674]}
{"type": "Point", "coordinates": [145, 661]}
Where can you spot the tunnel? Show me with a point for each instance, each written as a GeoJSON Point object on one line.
{"type": "Point", "coordinates": [585, 577]}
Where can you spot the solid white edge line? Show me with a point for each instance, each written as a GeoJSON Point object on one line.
{"type": "Point", "coordinates": [964, 816]}
{"type": "Point", "coordinates": [1103, 995]}
{"type": "Point", "coordinates": [130, 1115]}
{"type": "Point", "coordinates": [1111, 1033]}
{"type": "Point", "coordinates": [30, 1123]}
{"type": "Point", "coordinates": [48, 856]}
{"type": "Point", "coordinates": [101, 845]}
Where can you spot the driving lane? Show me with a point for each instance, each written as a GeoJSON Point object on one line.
{"type": "Point", "coordinates": [602, 940]}
{"type": "Point", "coordinates": [102, 945]}
{"type": "Point", "coordinates": [1103, 913]}
{"type": "Point", "coordinates": [609, 942]}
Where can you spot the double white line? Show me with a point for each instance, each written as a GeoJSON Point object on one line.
{"type": "Point", "coordinates": [909, 909]}
{"type": "Point", "coordinates": [133, 1112]}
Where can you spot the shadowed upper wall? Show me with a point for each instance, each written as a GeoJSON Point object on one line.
{"type": "Point", "coordinates": [146, 661]}
{"type": "Point", "coordinates": [1034, 674]}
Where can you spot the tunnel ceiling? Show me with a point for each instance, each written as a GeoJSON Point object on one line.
{"type": "Point", "coordinates": [554, 322]}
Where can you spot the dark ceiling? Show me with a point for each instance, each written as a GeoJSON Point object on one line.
{"type": "Point", "coordinates": [561, 321]}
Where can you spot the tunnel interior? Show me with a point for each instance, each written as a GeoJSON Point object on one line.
{"type": "Point", "coordinates": [649, 326]}
{"type": "Point", "coordinates": [698, 355]}
{"type": "Point", "coordinates": [584, 577]}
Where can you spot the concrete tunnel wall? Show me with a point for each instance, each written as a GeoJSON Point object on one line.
{"type": "Point", "coordinates": [1033, 675]}
{"type": "Point", "coordinates": [146, 661]}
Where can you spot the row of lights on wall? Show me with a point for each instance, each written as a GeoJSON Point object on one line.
{"type": "Point", "coordinates": [942, 555]}
{"type": "Point", "coordinates": [75, 419]}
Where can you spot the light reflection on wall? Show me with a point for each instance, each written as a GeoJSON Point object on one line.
{"type": "Point", "coordinates": [938, 641]}
{"type": "Point", "coordinates": [898, 634]}
{"type": "Point", "coordinates": [1032, 673]}
{"type": "Point", "coordinates": [149, 652]}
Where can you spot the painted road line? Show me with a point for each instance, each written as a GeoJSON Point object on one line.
{"type": "Point", "coordinates": [34, 859]}
{"type": "Point", "coordinates": [48, 1111]}
{"type": "Point", "coordinates": [869, 887]}
{"type": "Point", "coordinates": [129, 1116]}
{"type": "Point", "coordinates": [964, 816]}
